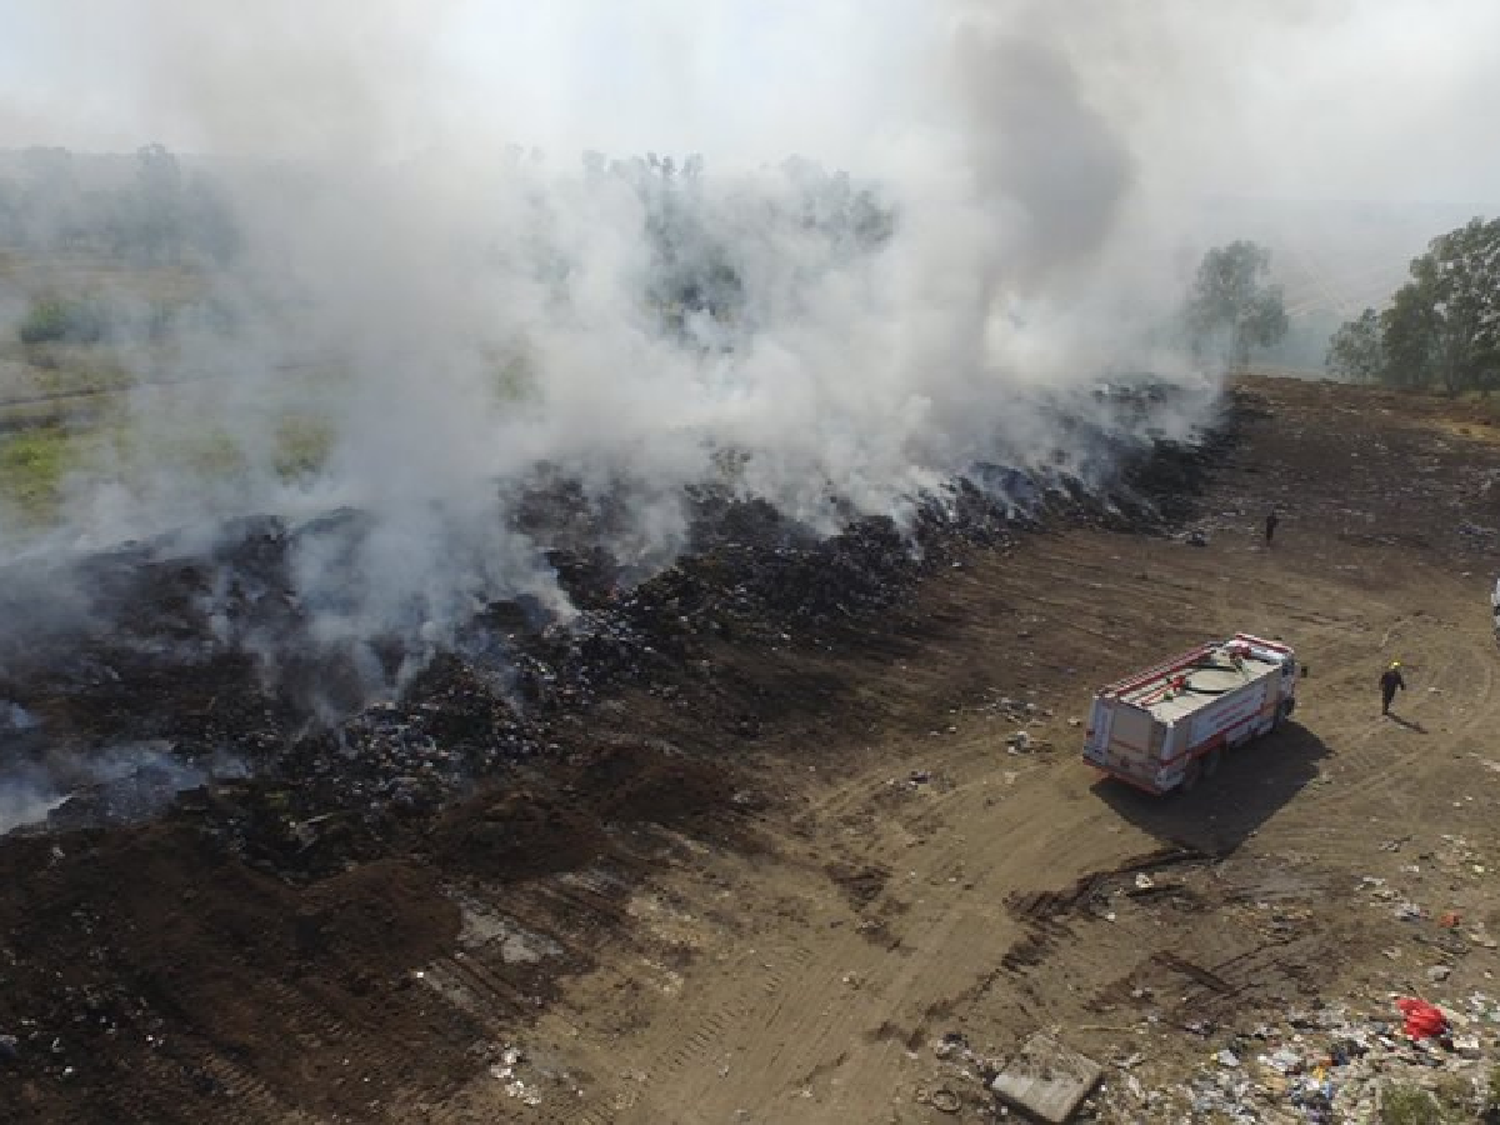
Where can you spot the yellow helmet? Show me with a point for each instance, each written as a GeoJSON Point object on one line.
{"type": "Point", "coordinates": [1395, 663]}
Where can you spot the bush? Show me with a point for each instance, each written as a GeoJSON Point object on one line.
{"type": "Point", "coordinates": [61, 320]}
{"type": "Point", "coordinates": [1451, 1102]}
{"type": "Point", "coordinates": [33, 463]}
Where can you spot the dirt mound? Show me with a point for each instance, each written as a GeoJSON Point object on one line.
{"type": "Point", "coordinates": [519, 834]}
{"type": "Point", "coordinates": [562, 821]}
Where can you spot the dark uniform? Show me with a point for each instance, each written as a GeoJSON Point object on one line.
{"type": "Point", "coordinates": [1390, 683]}
{"type": "Point", "coordinates": [1271, 521]}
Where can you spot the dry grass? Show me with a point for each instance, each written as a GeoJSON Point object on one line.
{"type": "Point", "coordinates": [1451, 1101]}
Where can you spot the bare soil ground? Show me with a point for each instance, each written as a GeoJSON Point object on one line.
{"type": "Point", "coordinates": [775, 892]}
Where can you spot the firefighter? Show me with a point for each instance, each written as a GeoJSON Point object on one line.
{"type": "Point", "coordinates": [1272, 519]}
{"type": "Point", "coordinates": [1390, 683]}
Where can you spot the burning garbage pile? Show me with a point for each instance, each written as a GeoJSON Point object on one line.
{"type": "Point", "coordinates": [211, 657]}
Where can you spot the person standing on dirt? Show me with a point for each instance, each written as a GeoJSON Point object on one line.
{"type": "Point", "coordinates": [1272, 519]}
{"type": "Point", "coordinates": [1390, 683]}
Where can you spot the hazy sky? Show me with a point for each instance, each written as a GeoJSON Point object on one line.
{"type": "Point", "coordinates": [1386, 99]}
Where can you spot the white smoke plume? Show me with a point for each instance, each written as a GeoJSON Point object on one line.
{"type": "Point", "coordinates": [118, 783]}
{"type": "Point", "coordinates": [430, 280]}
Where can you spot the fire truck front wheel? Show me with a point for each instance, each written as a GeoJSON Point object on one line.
{"type": "Point", "coordinates": [1190, 776]}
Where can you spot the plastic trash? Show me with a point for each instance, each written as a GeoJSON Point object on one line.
{"type": "Point", "coordinates": [1423, 1020]}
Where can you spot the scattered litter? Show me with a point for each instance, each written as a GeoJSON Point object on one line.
{"type": "Point", "coordinates": [944, 1100]}
{"type": "Point", "coordinates": [1283, 1061]}
{"type": "Point", "coordinates": [1326, 1066]}
{"type": "Point", "coordinates": [953, 1044]}
{"type": "Point", "coordinates": [505, 1071]}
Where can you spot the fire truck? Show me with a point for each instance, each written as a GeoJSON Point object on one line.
{"type": "Point", "coordinates": [1166, 727]}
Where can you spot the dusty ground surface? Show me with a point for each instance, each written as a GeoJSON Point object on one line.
{"type": "Point", "coordinates": [785, 888]}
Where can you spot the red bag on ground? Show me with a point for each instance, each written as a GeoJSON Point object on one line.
{"type": "Point", "coordinates": [1423, 1020]}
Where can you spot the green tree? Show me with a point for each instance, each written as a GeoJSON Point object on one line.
{"type": "Point", "coordinates": [158, 191]}
{"type": "Point", "coordinates": [1443, 326]}
{"type": "Point", "coordinates": [1407, 334]}
{"type": "Point", "coordinates": [1464, 284]}
{"type": "Point", "coordinates": [1357, 351]}
{"type": "Point", "coordinates": [1232, 308]}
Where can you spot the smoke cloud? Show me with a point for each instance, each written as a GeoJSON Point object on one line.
{"type": "Point", "coordinates": [114, 784]}
{"type": "Point", "coordinates": [422, 288]}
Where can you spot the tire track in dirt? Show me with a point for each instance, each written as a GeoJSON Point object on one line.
{"type": "Point", "coordinates": [678, 1079]}
{"type": "Point", "coordinates": [787, 1034]}
{"type": "Point", "coordinates": [250, 1100]}
{"type": "Point", "coordinates": [895, 1003]}
{"type": "Point", "coordinates": [933, 937]}
{"type": "Point", "coordinates": [1376, 762]}
{"type": "Point", "coordinates": [626, 1077]}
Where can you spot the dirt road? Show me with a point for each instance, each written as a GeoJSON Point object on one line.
{"type": "Point", "coordinates": [803, 918]}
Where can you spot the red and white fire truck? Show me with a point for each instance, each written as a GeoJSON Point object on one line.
{"type": "Point", "coordinates": [1165, 727]}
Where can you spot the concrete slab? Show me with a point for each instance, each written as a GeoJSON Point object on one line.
{"type": "Point", "coordinates": [1047, 1080]}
